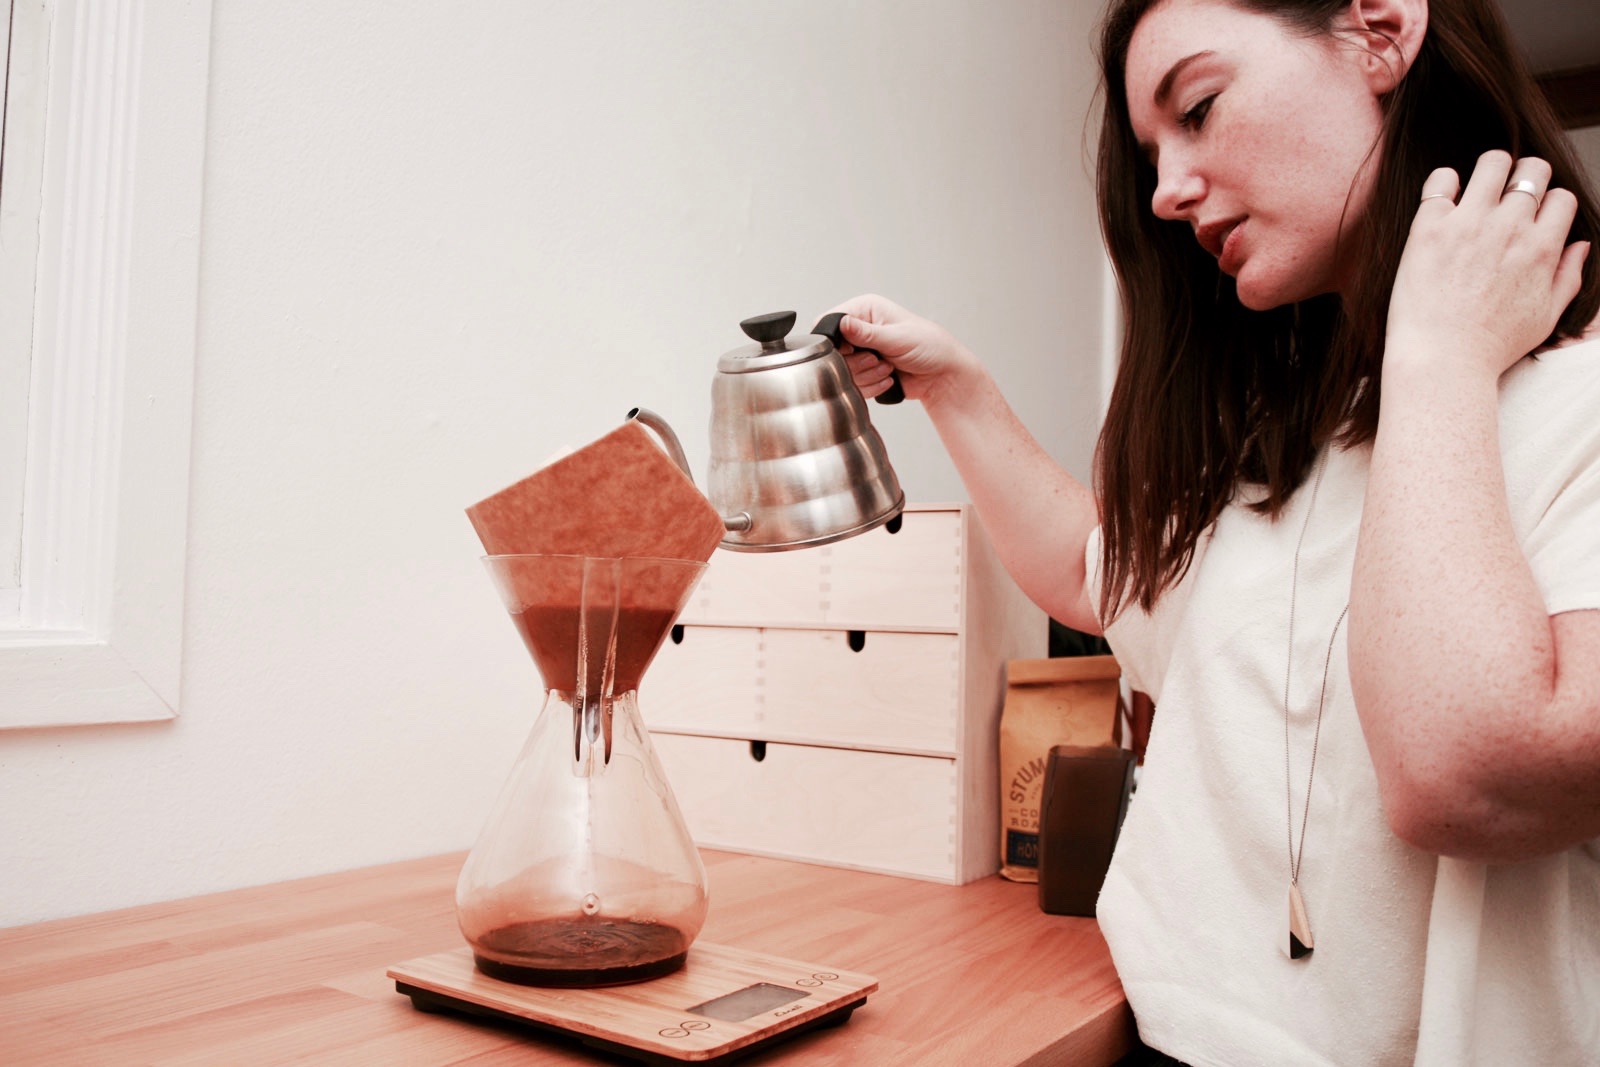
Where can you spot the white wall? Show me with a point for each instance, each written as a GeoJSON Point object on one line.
{"type": "Point", "coordinates": [443, 240]}
{"type": "Point", "coordinates": [1587, 142]}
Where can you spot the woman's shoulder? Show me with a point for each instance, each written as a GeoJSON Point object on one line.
{"type": "Point", "coordinates": [1585, 346]}
{"type": "Point", "coordinates": [1555, 381]}
{"type": "Point", "coordinates": [1550, 417]}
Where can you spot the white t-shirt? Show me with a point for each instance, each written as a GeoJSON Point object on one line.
{"type": "Point", "coordinates": [1418, 958]}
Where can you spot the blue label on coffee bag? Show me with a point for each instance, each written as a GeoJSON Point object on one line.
{"type": "Point", "coordinates": [1022, 850]}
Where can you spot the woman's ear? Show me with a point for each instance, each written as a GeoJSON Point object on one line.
{"type": "Point", "coordinates": [1389, 33]}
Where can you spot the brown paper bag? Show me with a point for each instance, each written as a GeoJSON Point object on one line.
{"type": "Point", "coordinates": [1070, 700]}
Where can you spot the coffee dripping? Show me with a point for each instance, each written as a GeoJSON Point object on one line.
{"type": "Point", "coordinates": [585, 873]}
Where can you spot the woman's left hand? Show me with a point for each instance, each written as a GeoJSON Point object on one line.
{"type": "Point", "coordinates": [1484, 278]}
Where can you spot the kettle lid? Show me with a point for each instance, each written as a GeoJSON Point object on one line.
{"type": "Point", "coordinates": [773, 347]}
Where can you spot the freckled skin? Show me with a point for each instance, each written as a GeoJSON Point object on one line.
{"type": "Point", "coordinates": [1288, 138]}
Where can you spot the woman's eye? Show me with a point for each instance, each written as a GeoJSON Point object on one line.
{"type": "Point", "coordinates": [1195, 117]}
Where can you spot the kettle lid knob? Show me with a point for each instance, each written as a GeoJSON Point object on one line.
{"type": "Point", "coordinates": [769, 329]}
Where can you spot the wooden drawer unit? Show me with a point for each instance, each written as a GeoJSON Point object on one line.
{"type": "Point", "coordinates": [869, 674]}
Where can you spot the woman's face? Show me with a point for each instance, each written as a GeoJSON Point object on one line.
{"type": "Point", "coordinates": [1263, 140]}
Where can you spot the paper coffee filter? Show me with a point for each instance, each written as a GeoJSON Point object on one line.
{"type": "Point", "coordinates": [618, 496]}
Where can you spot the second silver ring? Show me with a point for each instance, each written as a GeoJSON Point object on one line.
{"type": "Point", "coordinates": [1524, 185]}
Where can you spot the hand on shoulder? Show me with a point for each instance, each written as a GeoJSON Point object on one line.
{"type": "Point", "coordinates": [1485, 274]}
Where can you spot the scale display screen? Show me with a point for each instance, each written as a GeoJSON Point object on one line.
{"type": "Point", "coordinates": [750, 1001]}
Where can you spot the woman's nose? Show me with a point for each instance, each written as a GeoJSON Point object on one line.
{"type": "Point", "coordinates": [1178, 189]}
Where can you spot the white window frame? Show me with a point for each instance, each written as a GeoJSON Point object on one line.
{"type": "Point", "coordinates": [23, 66]}
{"type": "Point", "coordinates": [96, 634]}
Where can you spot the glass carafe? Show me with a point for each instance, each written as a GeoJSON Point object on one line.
{"type": "Point", "coordinates": [585, 873]}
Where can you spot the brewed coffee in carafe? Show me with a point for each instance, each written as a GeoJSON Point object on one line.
{"type": "Point", "coordinates": [585, 873]}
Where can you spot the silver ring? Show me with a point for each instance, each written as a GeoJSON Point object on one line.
{"type": "Point", "coordinates": [1437, 196]}
{"type": "Point", "coordinates": [1523, 185]}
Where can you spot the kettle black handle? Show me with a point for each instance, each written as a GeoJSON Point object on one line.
{"type": "Point", "coordinates": [828, 326]}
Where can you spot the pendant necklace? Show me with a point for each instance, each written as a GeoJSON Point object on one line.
{"type": "Point", "coordinates": [1300, 940]}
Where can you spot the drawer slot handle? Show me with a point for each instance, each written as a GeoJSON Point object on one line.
{"type": "Point", "coordinates": [857, 639]}
{"type": "Point", "coordinates": [758, 750]}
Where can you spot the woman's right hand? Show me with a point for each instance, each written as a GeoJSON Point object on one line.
{"type": "Point", "coordinates": [1037, 514]}
{"type": "Point", "coordinates": [924, 353]}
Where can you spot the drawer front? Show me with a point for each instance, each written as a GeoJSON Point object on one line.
{"type": "Point", "coordinates": [758, 588]}
{"type": "Point", "coordinates": [898, 691]}
{"type": "Point", "coordinates": [709, 682]}
{"type": "Point", "coordinates": [868, 810]}
{"type": "Point", "coordinates": [858, 689]}
{"type": "Point", "coordinates": [911, 578]}
{"type": "Point", "coordinates": [908, 578]}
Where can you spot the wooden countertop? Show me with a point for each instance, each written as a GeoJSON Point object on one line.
{"type": "Point", "coordinates": [971, 976]}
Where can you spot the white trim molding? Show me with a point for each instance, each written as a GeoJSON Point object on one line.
{"type": "Point", "coordinates": [98, 634]}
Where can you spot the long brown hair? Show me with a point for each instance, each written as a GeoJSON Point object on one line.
{"type": "Point", "coordinates": [1210, 394]}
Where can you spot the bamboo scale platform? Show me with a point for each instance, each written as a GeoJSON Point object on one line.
{"type": "Point", "coordinates": [294, 973]}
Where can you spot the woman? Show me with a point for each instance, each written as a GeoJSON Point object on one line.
{"type": "Point", "coordinates": [1345, 532]}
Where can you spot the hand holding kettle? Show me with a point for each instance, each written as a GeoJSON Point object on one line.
{"type": "Point", "coordinates": [882, 341]}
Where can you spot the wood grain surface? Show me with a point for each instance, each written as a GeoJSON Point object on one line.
{"type": "Point", "coordinates": [294, 973]}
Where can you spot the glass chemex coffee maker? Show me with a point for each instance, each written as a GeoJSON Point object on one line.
{"type": "Point", "coordinates": [585, 873]}
{"type": "Point", "coordinates": [585, 877]}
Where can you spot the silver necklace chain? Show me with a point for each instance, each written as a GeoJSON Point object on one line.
{"type": "Point", "coordinates": [1288, 673]}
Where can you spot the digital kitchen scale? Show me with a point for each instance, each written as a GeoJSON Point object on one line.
{"type": "Point", "coordinates": [724, 1002]}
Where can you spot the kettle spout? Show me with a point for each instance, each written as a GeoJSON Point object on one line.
{"type": "Point", "coordinates": [734, 523]}
{"type": "Point", "coordinates": [674, 447]}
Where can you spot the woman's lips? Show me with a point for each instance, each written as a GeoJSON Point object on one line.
{"type": "Point", "coordinates": [1221, 239]}
{"type": "Point", "coordinates": [1229, 259]}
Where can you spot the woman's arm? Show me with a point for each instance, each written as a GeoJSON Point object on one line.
{"type": "Point", "coordinates": [1037, 514]}
{"type": "Point", "coordinates": [1481, 711]}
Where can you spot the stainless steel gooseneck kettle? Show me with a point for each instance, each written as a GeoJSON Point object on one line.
{"type": "Point", "coordinates": [795, 461]}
